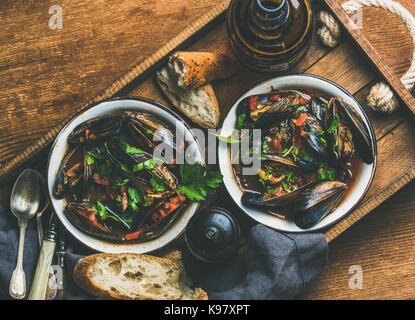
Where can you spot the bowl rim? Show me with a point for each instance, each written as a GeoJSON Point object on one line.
{"type": "Point", "coordinates": [79, 113]}
{"type": "Point", "coordinates": [369, 127]}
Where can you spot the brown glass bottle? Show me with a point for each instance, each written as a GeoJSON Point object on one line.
{"type": "Point", "coordinates": [270, 35]}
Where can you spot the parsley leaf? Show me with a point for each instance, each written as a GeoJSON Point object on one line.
{"type": "Point", "coordinates": [134, 195]}
{"type": "Point", "coordinates": [241, 121]}
{"type": "Point", "coordinates": [90, 160]}
{"type": "Point", "coordinates": [195, 184]}
{"type": "Point", "coordinates": [119, 182]}
{"type": "Point", "coordinates": [100, 209]}
{"type": "Point", "coordinates": [157, 184]}
{"type": "Point", "coordinates": [132, 150]}
{"type": "Point", "coordinates": [149, 164]}
{"type": "Point", "coordinates": [327, 175]}
{"type": "Point", "coordinates": [265, 147]}
{"type": "Point", "coordinates": [287, 151]}
{"type": "Point", "coordinates": [95, 155]}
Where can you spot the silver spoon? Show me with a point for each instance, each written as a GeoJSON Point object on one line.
{"type": "Point", "coordinates": [44, 204]}
{"type": "Point", "coordinates": [24, 203]}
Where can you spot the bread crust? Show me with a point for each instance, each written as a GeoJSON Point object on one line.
{"type": "Point", "coordinates": [177, 96]}
{"type": "Point", "coordinates": [82, 269]}
{"type": "Point", "coordinates": [200, 68]}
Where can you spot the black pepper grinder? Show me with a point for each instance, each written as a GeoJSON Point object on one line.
{"type": "Point", "coordinates": [213, 235]}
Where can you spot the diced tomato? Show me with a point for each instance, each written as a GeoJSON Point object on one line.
{"type": "Point", "coordinates": [136, 234]}
{"type": "Point", "coordinates": [89, 214]}
{"type": "Point", "coordinates": [301, 120]}
{"type": "Point", "coordinates": [98, 179]}
{"type": "Point", "coordinates": [302, 133]}
{"type": "Point", "coordinates": [89, 135]}
{"type": "Point", "coordinates": [181, 197]}
{"type": "Point", "coordinates": [303, 101]}
{"type": "Point", "coordinates": [278, 192]}
{"type": "Point", "coordinates": [253, 102]}
{"type": "Point", "coordinates": [275, 97]}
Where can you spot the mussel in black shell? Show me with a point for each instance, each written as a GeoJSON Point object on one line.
{"type": "Point", "coordinates": [311, 149]}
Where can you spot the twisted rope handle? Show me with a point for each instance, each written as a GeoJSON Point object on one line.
{"type": "Point", "coordinates": [381, 96]}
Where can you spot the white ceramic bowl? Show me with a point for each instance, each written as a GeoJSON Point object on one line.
{"type": "Point", "coordinates": [299, 82]}
{"type": "Point", "coordinates": [60, 146]}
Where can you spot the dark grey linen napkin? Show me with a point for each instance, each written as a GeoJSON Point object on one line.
{"type": "Point", "coordinates": [272, 265]}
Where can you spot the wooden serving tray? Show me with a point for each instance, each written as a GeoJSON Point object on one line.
{"type": "Point", "coordinates": [353, 64]}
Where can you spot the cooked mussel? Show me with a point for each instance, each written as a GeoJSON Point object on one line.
{"type": "Point", "coordinates": [61, 178]}
{"type": "Point", "coordinates": [97, 129]}
{"type": "Point", "coordinates": [310, 129]}
{"type": "Point", "coordinates": [316, 201]}
{"type": "Point", "coordinates": [158, 218]}
{"type": "Point", "coordinates": [273, 159]}
{"type": "Point", "coordinates": [83, 216]}
{"type": "Point", "coordinates": [125, 164]}
{"type": "Point", "coordinates": [258, 199]}
{"type": "Point", "coordinates": [349, 130]}
{"type": "Point", "coordinates": [307, 205]}
{"type": "Point", "coordinates": [161, 226]}
{"type": "Point", "coordinates": [133, 162]}
{"type": "Point", "coordinates": [319, 108]}
{"type": "Point", "coordinates": [146, 130]}
{"type": "Point", "coordinates": [278, 138]}
{"type": "Point", "coordinates": [276, 105]}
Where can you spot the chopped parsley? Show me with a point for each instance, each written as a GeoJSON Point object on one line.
{"type": "Point", "coordinates": [287, 151]}
{"type": "Point", "coordinates": [136, 197]}
{"type": "Point", "coordinates": [196, 184]}
{"type": "Point", "coordinates": [334, 124]}
{"type": "Point", "coordinates": [101, 210]}
{"type": "Point", "coordinates": [289, 175]}
{"type": "Point", "coordinates": [149, 164]}
{"type": "Point", "coordinates": [90, 160]}
{"type": "Point", "coordinates": [157, 184]}
{"type": "Point", "coordinates": [132, 150]}
{"type": "Point", "coordinates": [241, 121]}
{"type": "Point", "coordinates": [94, 155]}
{"type": "Point", "coordinates": [119, 182]}
{"type": "Point", "coordinates": [302, 108]}
{"type": "Point", "coordinates": [265, 147]}
{"type": "Point", "coordinates": [326, 175]}
{"type": "Point", "coordinates": [285, 186]}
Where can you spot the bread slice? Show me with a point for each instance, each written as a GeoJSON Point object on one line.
{"type": "Point", "coordinates": [132, 276]}
{"type": "Point", "coordinates": [195, 69]}
{"type": "Point", "coordinates": [199, 105]}
{"type": "Point", "coordinates": [185, 281]}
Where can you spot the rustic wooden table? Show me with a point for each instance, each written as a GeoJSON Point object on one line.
{"type": "Point", "coordinates": [100, 41]}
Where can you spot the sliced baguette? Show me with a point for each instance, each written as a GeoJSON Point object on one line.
{"type": "Point", "coordinates": [130, 276]}
{"type": "Point", "coordinates": [185, 281]}
{"type": "Point", "coordinates": [195, 69]}
{"type": "Point", "coordinates": [199, 105]}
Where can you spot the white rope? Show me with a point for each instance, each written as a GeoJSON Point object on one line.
{"type": "Point", "coordinates": [381, 96]}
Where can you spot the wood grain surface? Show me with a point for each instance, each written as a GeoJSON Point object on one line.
{"type": "Point", "coordinates": [382, 243]}
{"type": "Point", "coordinates": [60, 70]}
{"type": "Point", "coordinates": [373, 57]}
